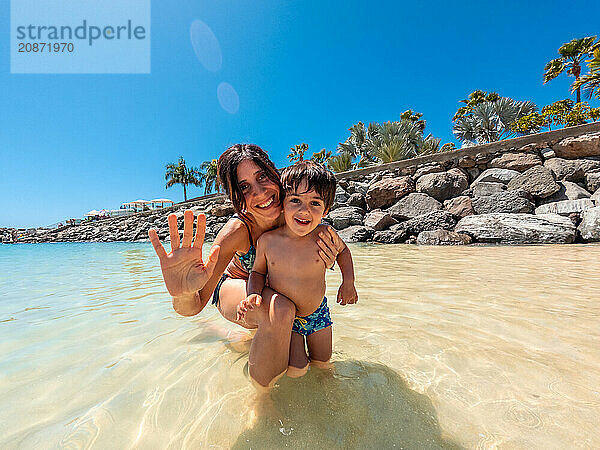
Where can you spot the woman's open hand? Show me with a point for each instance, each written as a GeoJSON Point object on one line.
{"type": "Point", "coordinates": [183, 270]}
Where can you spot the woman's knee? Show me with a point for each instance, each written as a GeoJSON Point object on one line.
{"type": "Point", "coordinates": [282, 312]}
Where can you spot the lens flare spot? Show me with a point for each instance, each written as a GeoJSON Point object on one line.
{"type": "Point", "coordinates": [228, 98]}
{"type": "Point", "coordinates": [206, 46]}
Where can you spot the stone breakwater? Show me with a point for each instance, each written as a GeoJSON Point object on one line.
{"type": "Point", "coordinates": [546, 190]}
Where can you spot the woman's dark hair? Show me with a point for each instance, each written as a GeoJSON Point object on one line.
{"type": "Point", "coordinates": [228, 178]}
{"type": "Point", "coordinates": [317, 177]}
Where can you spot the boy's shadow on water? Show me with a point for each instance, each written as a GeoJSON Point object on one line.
{"type": "Point", "coordinates": [356, 405]}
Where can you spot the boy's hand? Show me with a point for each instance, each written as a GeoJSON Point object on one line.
{"type": "Point", "coordinates": [248, 304]}
{"type": "Point", "coordinates": [347, 294]}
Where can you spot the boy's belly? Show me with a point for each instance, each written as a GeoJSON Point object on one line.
{"type": "Point", "coordinates": [307, 294]}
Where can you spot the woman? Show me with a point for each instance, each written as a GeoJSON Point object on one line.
{"type": "Point", "coordinates": [253, 186]}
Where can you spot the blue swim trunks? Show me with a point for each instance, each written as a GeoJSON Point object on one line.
{"type": "Point", "coordinates": [314, 322]}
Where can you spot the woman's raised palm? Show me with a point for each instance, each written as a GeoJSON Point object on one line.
{"type": "Point", "coordinates": [183, 270]}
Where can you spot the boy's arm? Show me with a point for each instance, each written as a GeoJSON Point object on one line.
{"type": "Point", "coordinates": [256, 282]}
{"type": "Point", "coordinates": [347, 292]}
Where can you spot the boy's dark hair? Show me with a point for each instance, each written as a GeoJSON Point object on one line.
{"type": "Point", "coordinates": [227, 171]}
{"type": "Point", "coordinates": [317, 177]}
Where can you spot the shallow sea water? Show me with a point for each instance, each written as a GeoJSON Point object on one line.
{"type": "Point", "coordinates": [448, 347]}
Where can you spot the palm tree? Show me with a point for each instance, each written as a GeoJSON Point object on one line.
{"type": "Point", "coordinates": [181, 174]}
{"type": "Point", "coordinates": [357, 144]}
{"type": "Point", "coordinates": [388, 142]}
{"type": "Point", "coordinates": [297, 152]}
{"type": "Point", "coordinates": [394, 141]}
{"type": "Point", "coordinates": [210, 176]}
{"type": "Point", "coordinates": [590, 82]}
{"type": "Point", "coordinates": [490, 121]}
{"type": "Point", "coordinates": [321, 157]}
{"type": "Point", "coordinates": [414, 117]}
{"type": "Point", "coordinates": [341, 162]}
{"type": "Point", "coordinates": [571, 55]}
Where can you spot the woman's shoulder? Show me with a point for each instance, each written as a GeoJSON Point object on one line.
{"type": "Point", "coordinates": [234, 234]}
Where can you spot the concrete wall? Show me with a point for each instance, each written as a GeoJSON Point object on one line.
{"type": "Point", "coordinates": [541, 139]}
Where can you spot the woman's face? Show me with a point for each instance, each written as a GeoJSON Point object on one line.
{"type": "Point", "coordinates": [260, 193]}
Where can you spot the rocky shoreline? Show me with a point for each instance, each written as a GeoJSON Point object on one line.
{"type": "Point", "coordinates": [545, 191]}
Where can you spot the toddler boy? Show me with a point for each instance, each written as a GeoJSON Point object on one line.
{"type": "Point", "coordinates": [288, 257]}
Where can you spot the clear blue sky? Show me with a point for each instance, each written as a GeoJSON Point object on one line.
{"type": "Point", "coordinates": [304, 71]}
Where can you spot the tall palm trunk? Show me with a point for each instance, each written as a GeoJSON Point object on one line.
{"type": "Point", "coordinates": [576, 71]}
{"type": "Point", "coordinates": [184, 193]}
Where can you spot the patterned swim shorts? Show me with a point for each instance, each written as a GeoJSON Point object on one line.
{"type": "Point", "coordinates": [314, 322]}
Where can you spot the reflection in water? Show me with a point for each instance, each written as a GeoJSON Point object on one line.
{"type": "Point", "coordinates": [356, 405]}
{"type": "Point", "coordinates": [479, 347]}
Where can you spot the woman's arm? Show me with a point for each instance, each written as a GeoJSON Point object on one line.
{"type": "Point", "coordinates": [188, 279]}
{"type": "Point", "coordinates": [233, 237]}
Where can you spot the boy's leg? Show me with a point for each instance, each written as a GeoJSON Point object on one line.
{"type": "Point", "coordinates": [319, 347]}
{"type": "Point", "coordinates": [298, 359]}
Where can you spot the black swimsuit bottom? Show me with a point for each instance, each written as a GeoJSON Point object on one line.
{"type": "Point", "coordinates": [247, 261]}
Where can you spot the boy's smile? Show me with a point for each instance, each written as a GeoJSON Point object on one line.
{"type": "Point", "coordinates": [303, 210]}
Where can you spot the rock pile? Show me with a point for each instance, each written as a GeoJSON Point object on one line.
{"type": "Point", "coordinates": [521, 195]}
{"type": "Point", "coordinates": [545, 192]}
{"type": "Point", "coordinates": [134, 227]}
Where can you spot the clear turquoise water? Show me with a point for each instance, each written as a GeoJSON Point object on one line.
{"type": "Point", "coordinates": [475, 347]}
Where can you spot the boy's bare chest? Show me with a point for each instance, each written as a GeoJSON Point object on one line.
{"type": "Point", "coordinates": [301, 256]}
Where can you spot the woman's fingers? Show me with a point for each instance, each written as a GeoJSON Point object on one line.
{"type": "Point", "coordinates": [335, 240]}
{"type": "Point", "coordinates": [188, 228]}
{"type": "Point", "coordinates": [158, 248]}
{"type": "Point", "coordinates": [327, 254]}
{"type": "Point", "coordinates": [213, 257]}
{"type": "Point", "coordinates": [173, 232]}
{"type": "Point", "coordinates": [327, 248]}
{"type": "Point", "coordinates": [200, 230]}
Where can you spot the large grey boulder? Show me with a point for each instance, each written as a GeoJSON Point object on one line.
{"type": "Point", "coordinates": [516, 161]}
{"type": "Point", "coordinates": [443, 237]}
{"type": "Point", "coordinates": [340, 195]}
{"type": "Point", "coordinates": [460, 206]}
{"type": "Point", "coordinates": [565, 207]}
{"type": "Point", "coordinates": [516, 202]}
{"type": "Point", "coordinates": [596, 197]}
{"type": "Point", "coordinates": [356, 233]}
{"type": "Point", "coordinates": [572, 169]}
{"type": "Point", "coordinates": [485, 188]}
{"type": "Point", "coordinates": [427, 169]}
{"type": "Point", "coordinates": [547, 153]}
{"type": "Point", "coordinates": [592, 181]}
{"type": "Point", "coordinates": [345, 216]}
{"type": "Point", "coordinates": [518, 228]}
{"type": "Point", "coordinates": [379, 220]}
{"type": "Point", "coordinates": [497, 175]}
{"type": "Point", "coordinates": [568, 191]}
{"type": "Point", "coordinates": [357, 187]}
{"type": "Point", "coordinates": [386, 192]}
{"type": "Point", "coordinates": [390, 236]}
{"type": "Point", "coordinates": [538, 181]}
{"type": "Point", "coordinates": [436, 220]}
{"type": "Point", "coordinates": [224, 210]}
{"type": "Point", "coordinates": [413, 205]}
{"type": "Point", "coordinates": [357, 199]}
{"type": "Point", "coordinates": [589, 228]}
{"type": "Point", "coordinates": [443, 185]}
{"type": "Point", "coordinates": [578, 147]}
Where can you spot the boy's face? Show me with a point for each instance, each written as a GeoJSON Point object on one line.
{"type": "Point", "coordinates": [303, 210]}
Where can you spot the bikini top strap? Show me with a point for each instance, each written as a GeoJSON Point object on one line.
{"type": "Point", "coordinates": [247, 228]}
